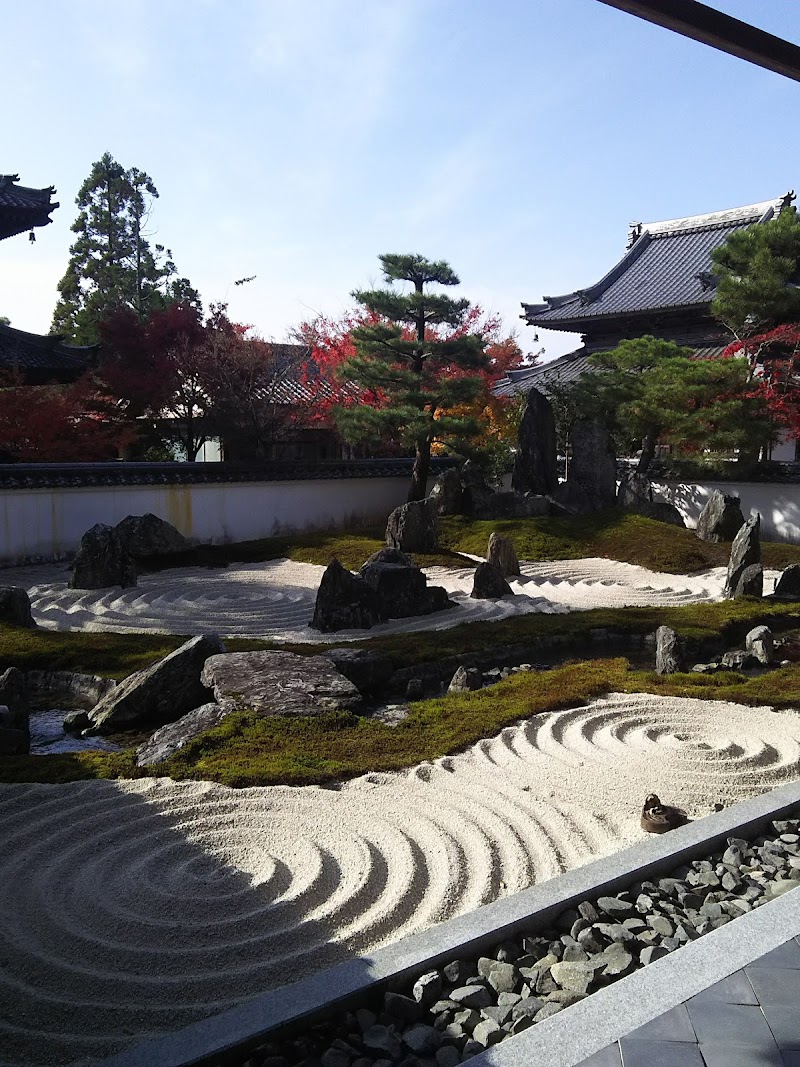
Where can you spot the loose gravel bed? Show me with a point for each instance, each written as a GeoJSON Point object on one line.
{"type": "Point", "coordinates": [448, 1015]}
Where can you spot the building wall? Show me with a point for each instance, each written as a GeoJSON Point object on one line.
{"type": "Point", "coordinates": [777, 503]}
{"type": "Point", "coordinates": [48, 523]}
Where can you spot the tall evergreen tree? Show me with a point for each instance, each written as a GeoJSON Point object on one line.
{"type": "Point", "coordinates": [112, 263]}
{"type": "Point", "coordinates": [758, 272]}
{"type": "Point", "coordinates": [415, 355]}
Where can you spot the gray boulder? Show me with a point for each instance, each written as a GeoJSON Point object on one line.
{"type": "Point", "coordinates": [514, 506]}
{"type": "Point", "coordinates": [465, 680]}
{"type": "Point", "coordinates": [668, 652]}
{"type": "Point", "coordinates": [171, 738]}
{"type": "Point", "coordinates": [390, 555]}
{"type": "Point", "coordinates": [368, 671]}
{"type": "Point", "coordinates": [721, 518]}
{"type": "Point", "coordinates": [759, 643]}
{"type": "Point", "coordinates": [414, 527]}
{"type": "Point", "coordinates": [447, 493]}
{"type": "Point", "coordinates": [15, 607]}
{"type": "Point", "coordinates": [402, 591]}
{"type": "Point", "coordinates": [14, 697]}
{"type": "Point", "coordinates": [344, 602]}
{"type": "Point", "coordinates": [279, 683]}
{"type": "Point", "coordinates": [535, 462]}
{"type": "Point", "coordinates": [102, 561]}
{"type": "Point", "coordinates": [501, 554]}
{"type": "Point", "coordinates": [634, 489]}
{"type": "Point", "coordinates": [787, 586]}
{"type": "Point", "coordinates": [594, 464]}
{"type": "Point", "coordinates": [489, 583]}
{"type": "Point", "coordinates": [148, 535]}
{"type": "Point", "coordinates": [745, 551]}
{"type": "Point", "coordinates": [661, 511]}
{"type": "Point", "coordinates": [158, 694]}
{"type": "Point", "coordinates": [750, 582]}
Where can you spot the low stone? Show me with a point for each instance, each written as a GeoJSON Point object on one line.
{"type": "Point", "coordinates": [760, 644]}
{"type": "Point", "coordinates": [661, 511]}
{"type": "Point", "coordinates": [750, 582]}
{"type": "Point", "coordinates": [502, 555]}
{"type": "Point", "coordinates": [368, 671]}
{"type": "Point", "coordinates": [14, 696]}
{"type": "Point", "coordinates": [76, 722]}
{"type": "Point", "coordinates": [422, 1039]}
{"type": "Point", "coordinates": [503, 977]}
{"type": "Point", "coordinates": [414, 527]}
{"type": "Point", "coordinates": [14, 742]}
{"type": "Point", "coordinates": [344, 602]}
{"type": "Point", "coordinates": [427, 988]}
{"type": "Point", "coordinates": [15, 608]}
{"type": "Point", "coordinates": [651, 953]}
{"type": "Point", "coordinates": [402, 591]}
{"type": "Point", "coordinates": [668, 652]}
{"type": "Point", "coordinates": [616, 907]}
{"type": "Point", "coordinates": [447, 493]}
{"type": "Point", "coordinates": [381, 1039]}
{"type": "Point", "coordinates": [489, 583]}
{"type": "Point", "coordinates": [721, 518]}
{"type": "Point", "coordinates": [279, 683]}
{"type": "Point", "coordinates": [781, 886]}
{"type": "Point", "coordinates": [158, 694]}
{"type": "Point", "coordinates": [171, 738]}
{"type": "Point", "coordinates": [465, 680]}
{"type": "Point", "coordinates": [102, 561]}
{"type": "Point", "coordinates": [737, 659]}
{"type": "Point", "coordinates": [472, 996]}
{"type": "Point", "coordinates": [488, 1033]}
{"type": "Point", "coordinates": [617, 961]}
{"type": "Point", "coordinates": [576, 977]}
{"type": "Point", "coordinates": [787, 586]}
{"type": "Point", "coordinates": [745, 552]}
{"type": "Point", "coordinates": [148, 535]}
{"type": "Point", "coordinates": [549, 1009]}
{"type": "Point", "coordinates": [415, 690]}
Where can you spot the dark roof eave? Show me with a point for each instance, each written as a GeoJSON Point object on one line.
{"type": "Point", "coordinates": [578, 325]}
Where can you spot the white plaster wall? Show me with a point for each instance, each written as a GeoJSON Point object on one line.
{"type": "Point", "coordinates": [48, 523]}
{"type": "Point", "coordinates": [778, 505]}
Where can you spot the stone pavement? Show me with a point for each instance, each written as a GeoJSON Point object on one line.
{"type": "Point", "coordinates": [750, 1019]}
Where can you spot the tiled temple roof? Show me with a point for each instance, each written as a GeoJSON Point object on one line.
{"type": "Point", "coordinates": [22, 208]}
{"type": "Point", "coordinates": [667, 267]}
{"type": "Point", "coordinates": [40, 358]}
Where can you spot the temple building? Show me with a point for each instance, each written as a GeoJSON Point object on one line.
{"type": "Point", "coordinates": [35, 358]}
{"type": "Point", "coordinates": [663, 285]}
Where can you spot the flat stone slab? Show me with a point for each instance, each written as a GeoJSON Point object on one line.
{"type": "Point", "coordinates": [279, 683]}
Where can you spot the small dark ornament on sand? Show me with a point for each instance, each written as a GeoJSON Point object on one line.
{"type": "Point", "coordinates": [657, 818]}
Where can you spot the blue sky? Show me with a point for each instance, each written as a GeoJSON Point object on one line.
{"type": "Point", "coordinates": [298, 139]}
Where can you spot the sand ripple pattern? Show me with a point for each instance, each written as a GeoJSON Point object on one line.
{"type": "Point", "coordinates": [133, 908]}
{"type": "Point", "coordinates": [275, 599]}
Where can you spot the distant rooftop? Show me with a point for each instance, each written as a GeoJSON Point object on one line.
{"type": "Point", "coordinates": [667, 267]}
{"type": "Point", "coordinates": [22, 208]}
{"type": "Point", "coordinates": [40, 358]}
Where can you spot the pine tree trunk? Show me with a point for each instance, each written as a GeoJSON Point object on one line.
{"type": "Point", "coordinates": [648, 451]}
{"type": "Point", "coordinates": [419, 475]}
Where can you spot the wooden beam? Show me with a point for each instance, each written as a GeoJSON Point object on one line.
{"type": "Point", "coordinates": [709, 26]}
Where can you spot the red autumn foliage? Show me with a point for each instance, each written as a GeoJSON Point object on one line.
{"type": "Point", "coordinates": [774, 357]}
{"type": "Point", "coordinates": [59, 423]}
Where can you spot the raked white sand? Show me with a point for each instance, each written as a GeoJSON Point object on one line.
{"type": "Point", "coordinates": [276, 599]}
{"type": "Point", "coordinates": [135, 907]}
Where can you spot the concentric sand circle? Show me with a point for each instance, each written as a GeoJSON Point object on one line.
{"type": "Point", "coordinates": [276, 599]}
{"type": "Point", "coordinates": [133, 908]}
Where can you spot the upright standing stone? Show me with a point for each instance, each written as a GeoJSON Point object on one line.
{"type": "Point", "coordinates": [759, 642]}
{"type": "Point", "coordinates": [414, 527]}
{"type": "Point", "coordinates": [745, 552]}
{"type": "Point", "coordinates": [721, 518]}
{"type": "Point", "coordinates": [501, 553]}
{"type": "Point", "coordinates": [535, 468]}
{"type": "Point", "coordinates": [634, 490]}
{"type": "Point", "coordinates": [102, 561]}
{"type": "Point", "coordinates": [668, 655]}
{"type": "Point", "coordinates": [447, 492]}
{"type": "Point", "coordinates": [489, 583]}
{"type": "Point", "coordinates": [594, 465]}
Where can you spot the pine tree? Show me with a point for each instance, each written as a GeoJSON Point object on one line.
{"type": "Point", "coordinates": [112, 263]}
{"type": "Point", "coordinates": [415, 356]}
{"type": "Point", "coordinates": [758, 271]}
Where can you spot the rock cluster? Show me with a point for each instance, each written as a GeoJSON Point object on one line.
{"type": "Point", "coordinates": [388, 586]}
{"type": "Point", "coordinates": [447, 1015]}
